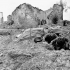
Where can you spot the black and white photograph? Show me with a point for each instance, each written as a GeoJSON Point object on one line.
{"type": "Point", "coordinates": [34, 34]}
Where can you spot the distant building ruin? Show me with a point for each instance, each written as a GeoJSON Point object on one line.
{"type": "Point", "coordinates": [1, 17]}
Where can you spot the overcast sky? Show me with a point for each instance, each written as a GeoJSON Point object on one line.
{"type": "Point", "coordinates": [7, 6]}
